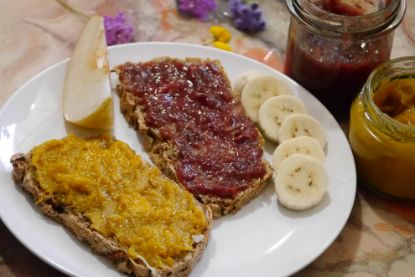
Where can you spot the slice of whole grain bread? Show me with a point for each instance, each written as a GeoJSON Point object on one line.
{"type": "Point", "coordinates": [24, 175]}
{"type": "Point", "coordinates": [164, 153]}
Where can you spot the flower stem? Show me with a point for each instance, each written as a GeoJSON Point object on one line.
{"type": "Point", "coordinates": [73, 10]}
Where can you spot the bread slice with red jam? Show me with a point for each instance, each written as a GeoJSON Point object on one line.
{"type": "Point", "coordinates": [194, 129]}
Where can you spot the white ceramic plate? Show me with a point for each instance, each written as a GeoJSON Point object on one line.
{"type": "Point", "coordinates": [262, 239]}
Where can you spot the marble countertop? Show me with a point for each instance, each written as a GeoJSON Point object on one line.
{"type": "Point", "coordinates": [379, 237]}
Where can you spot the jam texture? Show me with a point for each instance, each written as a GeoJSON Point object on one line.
{"type": "Point", "coordinates": [352, 8]}
{"type": "Point", "coordinates": [190, 104]}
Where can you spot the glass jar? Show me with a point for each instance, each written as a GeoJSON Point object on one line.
{"type": "Point", "coordinates": [332, 55]}
{"type": "Point", "coordinates": [384, 148]}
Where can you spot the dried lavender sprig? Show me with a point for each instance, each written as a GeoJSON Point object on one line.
{"type": "Point", "coordinates": [118, 29]}
{"type": "Point", "coordinates": [246, 17]}
{"type": "Point", "coordinates": [200, 9]}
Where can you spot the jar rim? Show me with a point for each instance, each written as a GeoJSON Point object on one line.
{"type": "Point", "coordinates": [394, 127]}
{"type": "Point", "coordinates": [322, 21]}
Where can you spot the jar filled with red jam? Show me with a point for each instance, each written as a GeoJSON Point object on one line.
{"type": "Point", "coordinates": [333, 46]}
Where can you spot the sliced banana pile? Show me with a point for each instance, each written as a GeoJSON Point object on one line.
{"type": "Point", "coordinates": [300, 178]}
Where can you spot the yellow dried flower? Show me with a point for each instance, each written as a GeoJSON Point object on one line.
{"type": "Point", "coordinates": [220, 33]}
{"type": "Point", "coordinates": [222, 45]}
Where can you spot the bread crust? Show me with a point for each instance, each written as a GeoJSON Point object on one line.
{"type": "Point", "coordinates": [163, 153]}
{"type": "Point", "coordinates": [24, 174]}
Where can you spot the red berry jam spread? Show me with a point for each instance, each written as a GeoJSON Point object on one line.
{"type": "Point", "coordinates": [352, 7]}
{"type": "Point", "coordinates": [191, 105]}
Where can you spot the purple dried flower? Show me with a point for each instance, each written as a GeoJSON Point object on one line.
{"type": "Point", "coordinates": [197, 8]}
{"type": "Point", "coordinates": [246, 17]}
{"type": "Point", "coordinates": [118, 29]}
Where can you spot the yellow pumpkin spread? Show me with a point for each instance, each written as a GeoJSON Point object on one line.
{"type": "Point", "coordinates": [122, 196]}
{"type": "Point", "coordinates": [396, 98]}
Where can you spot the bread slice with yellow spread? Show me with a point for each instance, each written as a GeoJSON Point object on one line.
{"type": "Point", "coordinates": [124, 208]}
{"type": "Point", "coordinates": [194, 130]}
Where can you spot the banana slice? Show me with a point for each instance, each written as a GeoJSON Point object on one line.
{"type": "Point", "coordinates": [274, 110]}
{"type": "Point", "coordinates": [296, 125]}
{"type": "Point", "coordinates": [307, 146]}
{"type": "Point", "coordinates": [242, 80]}
{"type": "Point", "coordinates": [259, 89]}
{"type": "Point", "coordinates": [301, 182]}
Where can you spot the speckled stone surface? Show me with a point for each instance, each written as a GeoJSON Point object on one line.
{"type": "Point", "coordinates": [379, 237]}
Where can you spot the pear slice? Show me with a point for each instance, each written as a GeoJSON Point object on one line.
{"type": "Point", "coordinates": [87, 99]}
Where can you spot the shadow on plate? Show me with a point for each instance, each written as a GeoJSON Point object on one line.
{"type": "Point", "coordinates": [83, 132]}
{"type": "Point", "coordinates": [263, 199]}
{"type": "Point", "coordinates": [306, 213]}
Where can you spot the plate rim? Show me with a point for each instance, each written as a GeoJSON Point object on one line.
{"type": "Point", "coordinates": [27, 83]}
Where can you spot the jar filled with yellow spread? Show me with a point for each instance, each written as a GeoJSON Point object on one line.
{"type": "Point", "coordinates": [382, 129]}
